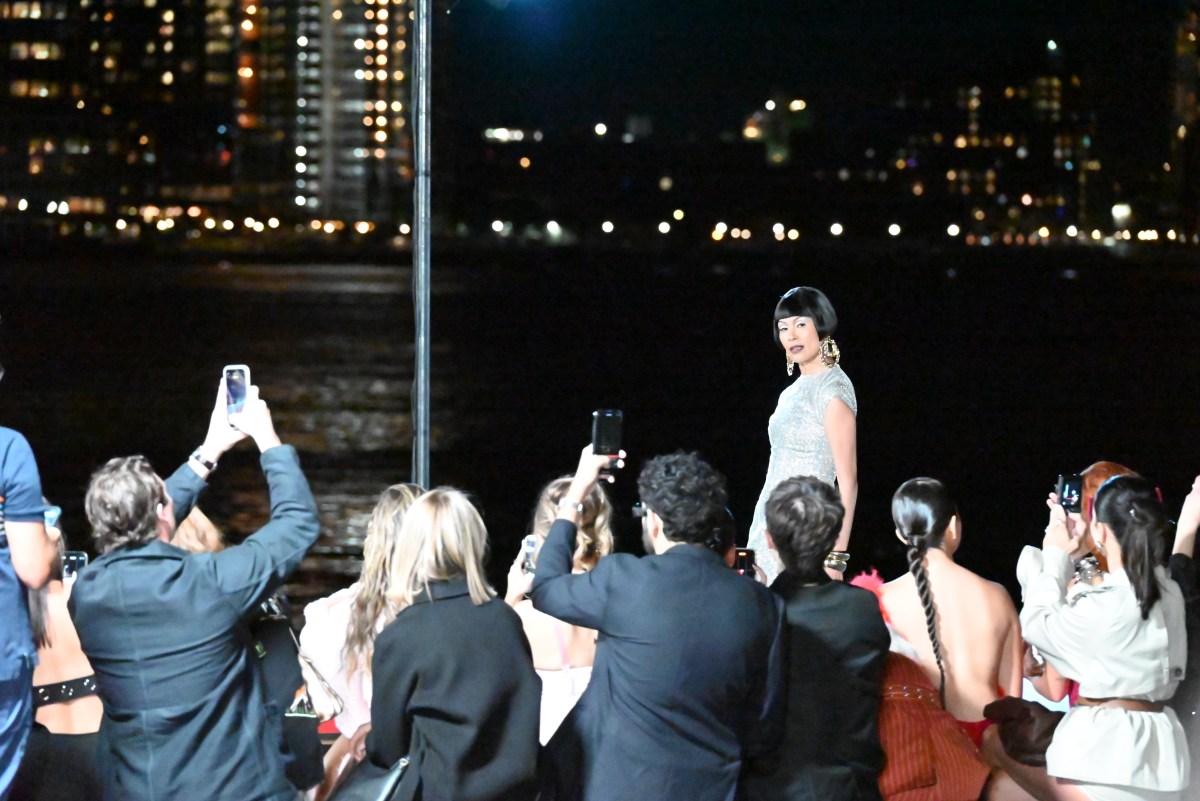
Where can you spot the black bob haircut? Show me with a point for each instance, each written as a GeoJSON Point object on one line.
{"type": "Point", "coordinates": [805, 301]}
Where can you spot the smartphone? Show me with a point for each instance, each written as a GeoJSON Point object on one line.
{"type": "Point", "coordinates": [606, 431]}
{"type": "Point", "coordinates": [743, 562]}
{"type": "Point", "coordinates": [528, 549]}
{"type": "Point", "coordinates": [237, 381]}
{"type": "Point", "coordinates": [1070, 493]}
{"type": "Point", "coordinates": [73, 562]}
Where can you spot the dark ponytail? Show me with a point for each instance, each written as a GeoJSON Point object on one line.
{"type": "Point", "coordinates": [1129, 505]}
{"type": "Point", "coordinates": [922, 510]}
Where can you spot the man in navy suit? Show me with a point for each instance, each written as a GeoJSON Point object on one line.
{"type": "Point", "coordinates": [185, 714]}
{"type": "Point", "coordinates": [686, 681]}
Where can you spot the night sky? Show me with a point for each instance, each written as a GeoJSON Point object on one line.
{"type": "Point", "coordinates": [702, 65]}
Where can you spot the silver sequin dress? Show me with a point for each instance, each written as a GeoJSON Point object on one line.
{"type": "Point", "coordinates": [799, 447]}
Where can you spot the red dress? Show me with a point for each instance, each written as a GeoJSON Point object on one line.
{"type": "Point", "coordinates": [928, 756]}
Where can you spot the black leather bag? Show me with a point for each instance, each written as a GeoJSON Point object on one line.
{"type": "Point", "coordinates": [367, 782]}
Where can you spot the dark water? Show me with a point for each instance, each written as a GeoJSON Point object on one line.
{"type": "Point", "coordinates": [994, 370]}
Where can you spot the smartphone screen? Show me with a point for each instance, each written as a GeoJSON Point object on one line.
{"type": "Point", "coordinates": [743, 561]}
{"type": "Point", "coordinates": [73, 562]}
{"type": "Point", "coordinates": [606, 432]}
{"type": "Point", "coordinates": [237, 379]}
{"type": "Point", "coordinates": [1070, 493]}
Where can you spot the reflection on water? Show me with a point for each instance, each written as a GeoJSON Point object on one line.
{"type": "Point", "coordinates": [997, 374]}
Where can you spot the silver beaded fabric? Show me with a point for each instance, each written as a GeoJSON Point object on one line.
{"type": "Point", "coordinates": [799, 447]}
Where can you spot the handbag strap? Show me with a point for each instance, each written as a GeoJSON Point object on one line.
{"type": "Point", "coordinates": [308, 663]}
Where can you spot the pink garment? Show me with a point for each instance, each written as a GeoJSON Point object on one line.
{"type": "Point", "coordinates": [326, 622]}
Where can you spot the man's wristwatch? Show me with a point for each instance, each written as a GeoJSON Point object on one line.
{"type": "Point", "coordinates": [200, 460]}
{"type": "Point", "coordinates": [565, 504]}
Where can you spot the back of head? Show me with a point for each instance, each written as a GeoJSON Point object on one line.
{"type": "Point", "coordinates": [805, 301]}
{"type": "Point", "coordinates": [594, 538]}
{"type": "Point", "coordinates": [1129, 505]}
{"type": "Point", "coordinates": [198, 534]}
{"type": "Point", "coordinates": [688, 495]}
{"type": "Point", "coordinates": [922, 510]}
{"type": "Point", "coordinates": [442, 538]}
{"type": "Point", "coordinates": [122, 503]}
{"type": "Point", "coordinates": [804, 517]}
{"type": "Point", "coordinates": [1093, 478]}
{"type": "Point", "coordinates": [372, 607]}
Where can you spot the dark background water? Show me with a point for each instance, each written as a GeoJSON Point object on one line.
{"type": "Point", "coordinates": [992, 369]}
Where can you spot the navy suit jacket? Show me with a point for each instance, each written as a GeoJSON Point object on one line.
{"type": "Point", "coordinates": [185, 716]}
{"type": "Point", "coordinates": [687, 677]}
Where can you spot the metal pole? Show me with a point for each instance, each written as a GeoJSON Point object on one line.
{"type": "Point", "coordinates": [421, 69]}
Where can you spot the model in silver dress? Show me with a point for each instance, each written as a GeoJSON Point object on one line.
{"type": "Point", "coordinates": [813, 429]}
{"type": "Point", "coordinates": [799, 447]}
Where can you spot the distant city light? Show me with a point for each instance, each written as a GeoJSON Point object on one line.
{"type": "Point", "coordinates": [677, 214]}
{"type": "Point", "coordinates": [953, 230]}
{"type": "Point", "coordinates": [22, 204]}
{"type": "Point", "coordinates": [606, 227]}
{"type": "Point", "coordinates": [736, 233]}
{"type": "Point", "coordinates": [525, 162]}
{"type": "Point", "coordinates": [227, 225]}
{"type": "Point", "coordinates": [302, 41]}
{"type": "Point", "coordinates": [329, 228]}
{"type": "Point", "coordinates": [362, 227]}
{"type": "Point", "coordinates": [751, 132]}
{"type": "Point", "coordinates": [301, 151]}
{"type": "Point", "coordinates": [601, 129]}
{"type": "Point", "coordinates": [1072, 231]}
{"type": "Point", "coordinates": [121, 225]}
{"type": "Point", "coordinates": [894, 229]}
{"type": "Point", "coordinates": [664, 228]}
{"type": "Point", "coordinates": [793, 234]}
{"type": "Point", "coordinates": [722, 227]}
{"type": "Point", "coordinates": [1043, 232]}
{"type": "Point", "coordinates": [1026, 199]}
{"type": "Point", "coordinates": [665, 183]}
{"type": "Point", "coordinates": [836, 229]}
{"type": "Point", "coordinates": [497, 225]}
{"type": "Point", "coordinates": [554, 229]}
{"type": "Point", "coordinates": [770, 105]}
{"type": "Point", "coordinates": [273, 222]}
{"type": "Point", "coordinates": [300, 200]}
{"type": "Point", "coordinates": [1052, 45]}
{"type": "Point", "coordinates": [797, 105]}
{"type": "Point", "coordinates": [406, 229]}
{"type": "Point", "coordinates": [1121, 212]}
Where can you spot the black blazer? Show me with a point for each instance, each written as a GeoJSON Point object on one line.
{"type": "Point", "coordinates": [455, 690]}
{"type": "Point", "coordinates": [686, 680]}
{"type": "Point", "coordinates": [184, 712]}
{"type": "Point", "coordinates": [837, 643]}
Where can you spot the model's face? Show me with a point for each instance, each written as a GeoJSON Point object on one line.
{"type": "Point", "coordinates": [799, 338]}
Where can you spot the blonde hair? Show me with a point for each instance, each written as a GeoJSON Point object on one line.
{"type": "Point", "coordinates": [443, 537]}
{"type": "Point", "coordinates": [594, 538]}
{"type": "Point", "coordinates": [372, 609]}
{"type": "Point", "coordinates": [197, 534]}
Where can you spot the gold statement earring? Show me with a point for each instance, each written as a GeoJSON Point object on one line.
{"type": "Point", "coordinates": [830, 355]}
{"type": "Point", "coordinates": [791, 366]}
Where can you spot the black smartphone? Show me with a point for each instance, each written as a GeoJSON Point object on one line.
{"type": "Point", "coordinates": [73, 562]}
{"type": "Point", "coordinates": [606, 432]}
{"type": "Point", "coordinates": [743, 562]}
{"type": "Point", "coordinates": [1070, 493]}
{"type": "Point", "coordinates": [237, 380]}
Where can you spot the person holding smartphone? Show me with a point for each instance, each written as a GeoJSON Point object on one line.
{"type": "Point", "coordinates": [814, 428]}
{"type": "Point", "coordinates": [185, 709]}
{"type": "Point", "coordinates": [60, 760]}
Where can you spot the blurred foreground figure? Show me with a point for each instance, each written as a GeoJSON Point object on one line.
{"type": "Point", "coordinates": [185, 714]}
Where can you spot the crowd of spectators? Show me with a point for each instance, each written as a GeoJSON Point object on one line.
{"type": "Point", "coordinates": [150, 673]}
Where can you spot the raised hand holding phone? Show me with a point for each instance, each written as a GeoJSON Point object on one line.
{"type": "Point", "coordinates": [255, 420]}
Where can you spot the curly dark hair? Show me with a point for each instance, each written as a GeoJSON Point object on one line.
{"type": "Point", "coordinates": [804, 517]}
{"type": "Point", "coordinates": [688, 494]}
{"type": "Point", "coordinates": [121, 503]}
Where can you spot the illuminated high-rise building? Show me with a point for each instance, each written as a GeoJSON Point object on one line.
{"type": "Point", "coordinates": [353, 154]}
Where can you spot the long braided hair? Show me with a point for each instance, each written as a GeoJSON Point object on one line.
{"type": "Point", "coordinates": [922, 510]}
